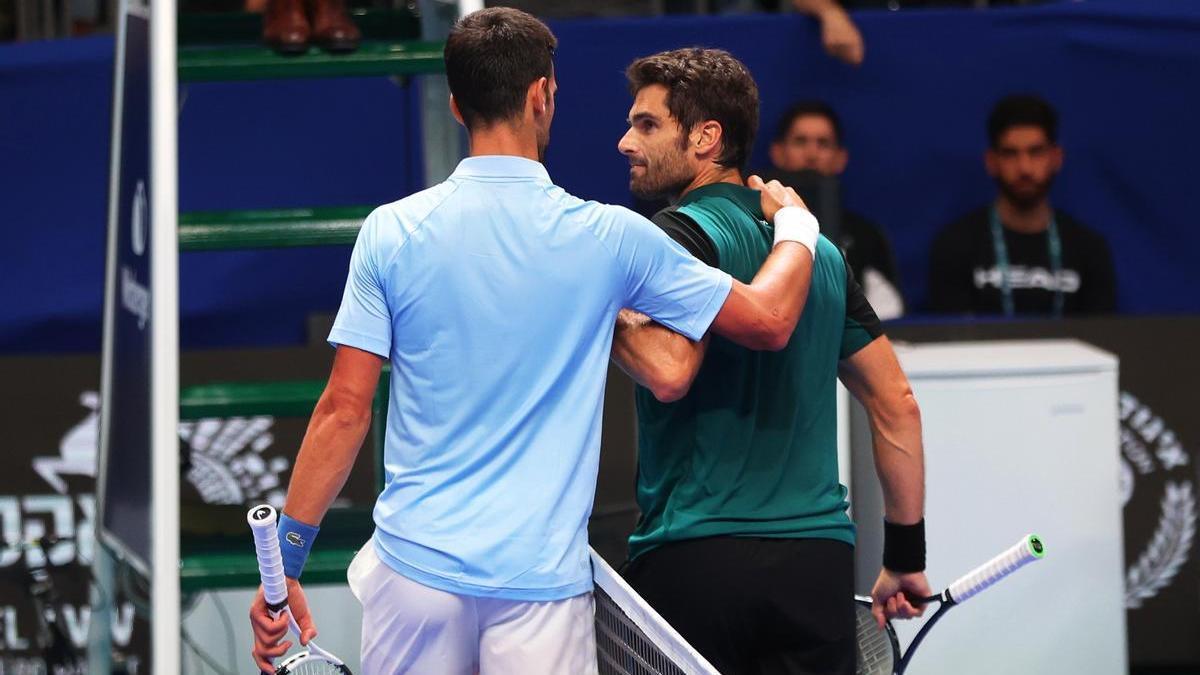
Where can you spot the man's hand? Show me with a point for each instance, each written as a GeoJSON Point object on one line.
{"type": "Point", "coordinates": [838, 33]}
{"type": "Point", "coordinates": [269, 631]}
{"type": "Point", "coordinates": [840, 36]}
{"type": "Point", "coordinates": [890, 599]}
{"type": "Point", "coordinates": [792, 219]}
{"type": "Point", "coordinates": [774, 196]}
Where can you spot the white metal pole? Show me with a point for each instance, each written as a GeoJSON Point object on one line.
{"type": "Point", "coordinates": [164, 341]}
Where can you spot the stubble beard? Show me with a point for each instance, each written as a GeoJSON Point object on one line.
{"type": "Point", "coordinates": [668, 181]}
{"type": "Point", "coordinates": [1025, 200]}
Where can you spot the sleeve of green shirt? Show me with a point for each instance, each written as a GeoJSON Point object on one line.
{"type": "Point", "coordinates": [862, 325]}
{"type": "Point", "coordinates": [689, 234]}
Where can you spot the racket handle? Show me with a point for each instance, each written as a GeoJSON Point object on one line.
{"type": "Point", "coordinates": [1027, 550]}
{"type": "Point", "coordinates": [262, 520]}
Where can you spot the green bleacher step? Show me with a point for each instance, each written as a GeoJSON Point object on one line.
{"type": "Point", "coordinates": [217, 550]}
{"type": "Point", "coordinates": [295, 398]}
{"type": "Point", "coordinates": [218, 570]}
{"type": "Point", "coordinates": [274, 228]}
{"type": "Point", "coordinates": [286, 398]}
{"type": "Point", "coordinates": [227, 63]}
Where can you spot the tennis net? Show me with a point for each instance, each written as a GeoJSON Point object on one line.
{"type": "Point", "coordinates": [631, 638]}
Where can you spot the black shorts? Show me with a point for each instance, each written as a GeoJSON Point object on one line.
{"type": "Point", "coordinates": [753, 605]}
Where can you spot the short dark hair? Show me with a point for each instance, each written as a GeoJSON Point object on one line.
{"type": "Point", "coordinates": [492, 56]}
{"type": "Point", "coordinates": [705, 84]}
{"type": "Point", "coordinates": [808, 109]}
{"type": "Point", "coordinates": [1022, 110]}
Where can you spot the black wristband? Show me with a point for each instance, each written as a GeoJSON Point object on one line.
{"type": "Point", "coordinates": [904, 547]}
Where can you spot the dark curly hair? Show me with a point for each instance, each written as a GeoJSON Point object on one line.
{"type": "Point", "coordinates": [705, 84]}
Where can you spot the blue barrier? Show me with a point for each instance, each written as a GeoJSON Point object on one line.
{"type": "Point", "coordinates": [1120, 72]}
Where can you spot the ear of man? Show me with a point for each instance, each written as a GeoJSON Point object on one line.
{"type": "Point", "coordinates": [706, 138]}
{"type": "Point", "coordinates": [537, 96]}
{"type": "Point", "coordinates": [455, 111]}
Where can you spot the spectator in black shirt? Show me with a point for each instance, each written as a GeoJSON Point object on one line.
{"type": "Point", "coordinates": [809, 138]}
{"type": "Point", "coordinates": [1019, 255]}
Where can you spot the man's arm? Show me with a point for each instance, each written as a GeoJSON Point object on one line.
{"type": "Point", "coordinates": [335, 433]}
{"type": "Point", "coordinates": [873, 376]}
{"type": "Point", "coordinates": [655, 356]}
{"type": "Point", "coordinates": [763, 314]}
{"type": "Point", "coordinates": [840, 36]}
{"type": "Point", "coordinates": [666, 362]}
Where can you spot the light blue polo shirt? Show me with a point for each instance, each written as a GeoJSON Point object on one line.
{"type": "Point", "coordinates": [494, 296]}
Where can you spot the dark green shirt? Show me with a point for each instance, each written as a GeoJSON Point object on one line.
{"type": "Point", "coordinates": [752, 449]}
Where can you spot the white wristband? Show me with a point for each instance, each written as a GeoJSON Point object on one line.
{"type": "Point", "coordinates": [798, 224]}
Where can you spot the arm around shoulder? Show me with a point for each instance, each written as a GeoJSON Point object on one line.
{"type": "Point", "coordinates": [763, 314]}
{"type": "Point", "coordinates": [656, 357]}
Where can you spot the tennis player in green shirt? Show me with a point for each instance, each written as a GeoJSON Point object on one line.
{"type": "Point", "coordinates": [744, 544]}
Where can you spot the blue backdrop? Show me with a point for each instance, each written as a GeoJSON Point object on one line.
{"type": "Point", "coordinates": [1122, 75]}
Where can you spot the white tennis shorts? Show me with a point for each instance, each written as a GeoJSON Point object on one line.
{"type": "Point", "coordinates": [412, 628]}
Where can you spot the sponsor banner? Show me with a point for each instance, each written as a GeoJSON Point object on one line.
{"type": "Point", "coordinates": [127, 304]}
{"type": "Point", "coordinates": [48, 505]}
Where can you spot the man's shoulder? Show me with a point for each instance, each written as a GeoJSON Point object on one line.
{"type": "Point", "coordinates": [416, 206]}
{"type": "Point", "coordinates": [851, 216]}
{"type": "Point", "coordinates": [606, 223]}
{"type": "Point", "coordinates": [727, 212]}
{"type": "Point", "coordinates": [1070, 226]}
{"type": "Point", "coordinates": [590, 210]}
{"type": "Point", "coordinates": [737, 201]}
{"type": "Point", "coordinates": [829, 253]}
{"type": "Point", "coordinates": [860, 227]}
{"type": "Point", "coordinates": [969, 225]}
{"type": "Point", "coordinates": [972, 220]}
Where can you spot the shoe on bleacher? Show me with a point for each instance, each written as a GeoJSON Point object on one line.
{"type": "Point", "coordinates": [285, 26]}
{"type": "Point", "coordinates": [332, 27]}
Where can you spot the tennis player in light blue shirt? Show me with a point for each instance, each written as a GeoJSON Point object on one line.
{"type": "Point", "coordinates": [493, 295]}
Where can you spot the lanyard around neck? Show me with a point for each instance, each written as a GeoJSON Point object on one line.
{"type": "Point", "coordinates": [1053, 243]}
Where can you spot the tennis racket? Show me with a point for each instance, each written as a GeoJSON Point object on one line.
{"type": "Point", "coordinates": [313, 660]}
{"type": "Point", "coordinates": [879, 650]}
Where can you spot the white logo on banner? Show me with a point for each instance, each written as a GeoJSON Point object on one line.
{"type": "Point", "coordinates": [76, 451]}
{"type": "Point", "coordinates": [227, 463]}
{"type": "Point", "coordinates": [228, 467]}
{"type": "Point", "coordinates": [135, 296]}
{"type": "Point", "coordinates": [1147, 445]}
{"type": "Point", "coordinates": [138, 220]}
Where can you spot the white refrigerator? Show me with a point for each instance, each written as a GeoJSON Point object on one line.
{"type": "Point", "coordinates": [1020, 437]}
